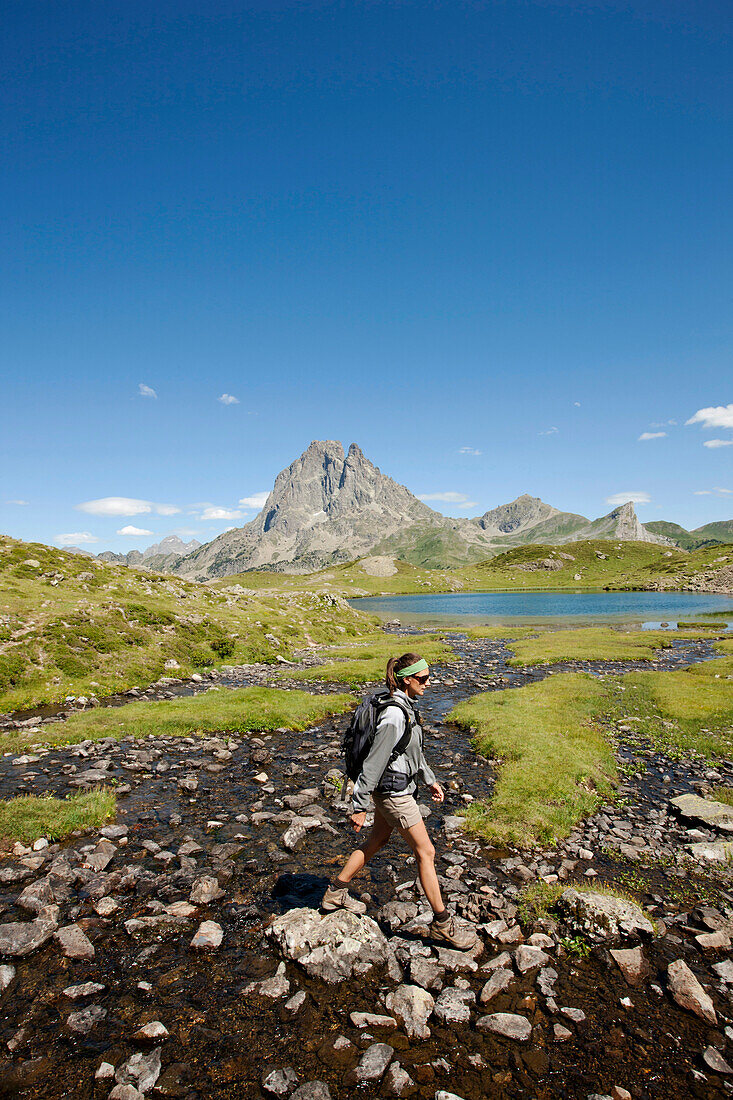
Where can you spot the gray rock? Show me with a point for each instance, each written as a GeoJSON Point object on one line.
{"type": "Point", "coordinates": [529, 958]}
{"type": "Point", "coordinates": [603, 917]}
{"type": "Point", "coordinates": [452, 1006]}
{"type": "Point", "coordinates": [687, 991]}
{"type": "Point", "coordinates": [332, 948]}
{"type": "Point", "coordinates": [125, 1092]}
{"type": "Point", "coordinates": [7, 975]}
{"type": "Point", "coordinates": [397, 1080]}
{"type": "Point", "coordinates": [709, 851]}
{"type": "Point", "coordinates": [82, 1022]}
{"type": "Point", "coordinates": [297, 829]}
{"type": "Point", "coordinates": [23, 937]}
{"type": "Point", "coordinates": [632, 964]}
{"type": "Point", "coordinates": [716, 815]}
{"type": "Point", "coordinates": [715, 1061]}
{"type": "Point", "coordinates": [37, 895]}
{"type": "Point", "coordinates": [411, 1006]}
{"type": "Point", "coordinates": [208, 936]}
{"type": "Point", "coordinates": [312, 1090]}
{"type": "Point", "coordinates": [153, 1032]}
{"type": "Point", "coordinates": [276, 986]}
{"type": "Point", "coordinates": [441, 1094]}
{"type": "Point", "coordinates": [205, 890]}
{"type": "Point", "coordinates": [724, 970]}
{"type": "Point", "coordinates": [499, 981]}
{"type": "Point", "coordinates": [371, 1019]}
{"type": "Point", "coordinates": [85, 989]}
{"type": "Point", "coordinates": [74, 943]}
{"type": "Point", "coordinates": [140, 1070]}
{"type": "Point", "coordinates": [101, 856]}
{"type": "Point", "coordinates": [373, 1062]}
{"type": "Point", "coordinates": [506, 1024]}
{"type": "Point", "coordinates": [280, 1082]}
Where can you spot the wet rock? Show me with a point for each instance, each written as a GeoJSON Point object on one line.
{"type": "Point", "coordinates": [125, 1092]}
{"type": "Point", "coordinates": [499, 981]}
{"type": "Point", "coordinates": [397, 1080]}
{"type": "Point", "coordinates": [371, 1019]}
{"type": "Point", "coordinates": [441, 1094]}
{"type": "Point", "coordinates": [713, 941]}
{"type": "Point", "coordinates": [141, 1070]}
{"type": "Point", "coordinates": [208, 936]}
{"type": "Point", "coordinates": [716, 815]}
{"type": "Point", "coordinates": [74, 943]}
{"type": "Point", "coordinates": [105, 1071]}
{"type": "Point", "coordinates": [82, 1022]}
{"type": "Point", "coordinates": [37, 895]}
{"type": "Point", "coordinates": [632, 964]}
{"type": "Point", "coordinates": [453, 1005]}
{"type": "Point", "coordinates": [205, 890]}
{"type": "Point", "coordinates": [529, 958]}
{"type": "Point", "coordinates": [332, 948]}
{"type": "Point", "coordinates": [276, 986]}
{"type": "Point", "coordinates": [101, 856]}
{"type": "Point", "coordinates": [372, 1064]}
{"type": "Point", "coordinates": [153, 1032]}
{"type": "Point", "coordinates": [297, 829]}
{"type": "Point", "coordinates": [715, 1061]}
{"type": "Point", "coordinates": [506, 1024]}
{"type": "Point", "coordinates": [85, 989]}
{"type": "Point", "coordinates": [296, 1002]}
{"type": "Point", "coordinates": [280, 1082]}
{"type": "Point", "coordinates": [105, 907]}
{"type": "Point", "coordinates": [708, 851]}
{"type": "Point", "coordinates": [687, 991]}
{"type": "Point", "coordinates": [561, 1033]}
{"type": "Point", "coordinates": [602, 916]}
{"type": "Point", "coordinates": [23, 937]}
{"type": "Point", "coordinates": [426, 972]}
{"type": "Point", "coordinates": [411, 1006]}
{"type": "Point", "coordinates": [724, 970]}
{"type": "Point", "coordinates": [312, 1090]}
{"type": "Point", "coordinates": [575, 1014]}
{"type": "Point", "coordinates": [7, 975]}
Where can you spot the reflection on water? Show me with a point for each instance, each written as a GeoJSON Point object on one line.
{"type": "Point", "coordinates": [647, 609]}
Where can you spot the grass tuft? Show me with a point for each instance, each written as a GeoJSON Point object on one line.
{"type": "Point", "coordinates": [365, 662]}
{"type": "Point", "coordinates": [29, 817]}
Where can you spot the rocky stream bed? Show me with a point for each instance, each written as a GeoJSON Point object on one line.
{"type": "Point", "coordinates": [179, 952]}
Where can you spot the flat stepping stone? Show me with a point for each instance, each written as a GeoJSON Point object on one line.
{"type": "Point", "coordinates": [716, 815]}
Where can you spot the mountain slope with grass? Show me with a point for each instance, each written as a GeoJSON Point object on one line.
{"type": "Point", "coordinates": [72, 625]}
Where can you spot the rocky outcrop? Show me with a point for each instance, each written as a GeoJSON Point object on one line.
{"type": "Point", "coordinates": [603, 917]}
{"type": "Point", "coordinates": [332, 948]}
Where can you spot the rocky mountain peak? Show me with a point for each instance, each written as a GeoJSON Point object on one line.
{"type": "Point", "coordinates": [525, 511]}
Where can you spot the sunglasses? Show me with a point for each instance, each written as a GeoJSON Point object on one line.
{"type": "Point", "coordinates": [422, 679]}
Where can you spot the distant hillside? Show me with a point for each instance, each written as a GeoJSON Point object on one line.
{"type": "Point", "coordinates": [707, 535]}
{"type": "Point", "coordinates": [159, 557]}
{"type": "Point", "coordinates": [329, 507]}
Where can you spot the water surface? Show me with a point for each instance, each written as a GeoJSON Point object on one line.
{"type": "Point", "coordinates": [647, 609]}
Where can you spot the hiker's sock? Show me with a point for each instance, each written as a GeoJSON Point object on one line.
{"type": "Point", "coordinates": [441, 917]}
{"type": "Point", "coordinates": [337, 884]}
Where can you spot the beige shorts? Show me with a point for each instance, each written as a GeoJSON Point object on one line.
{"type": "Point", "coordinates": [401, 811]}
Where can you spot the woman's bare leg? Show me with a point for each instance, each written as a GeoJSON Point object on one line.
{"type": "Point", "coordinates": [379, 834]}
{"type": "Point", "coordinates": [422, 847]}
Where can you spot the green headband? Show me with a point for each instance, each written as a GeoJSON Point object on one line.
{"type": "Point", "coordinates": [419, 666]}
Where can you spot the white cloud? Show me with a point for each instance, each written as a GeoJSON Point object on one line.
{"type": "Point", "coordinates": [146, 391]}
{"type": "Point", "coordinates": [20, 503]}
{"type": "Point", "coordinates": [228, 399]}
{"type": "Point", "coordinates": [450, 498]}
{"type": "Point", "coordinates": [713, 443]}
{"type": "Point", "coordinates": [257, 500]}
{"type": "Point", "coordinates": [717, 491]}
{"type": "Point", "coordinates": [133, 532]}
{"type": "Point", "coordinates": [664, 424]}
{"type": "Point", "coordinates": [212, 511]}
{"type": "Point", "coordinates": [716, 416]}
{"type": "Point", "coordinates": [469, 451]}
{"type": "Point", "coordinates": [550, 431]}
{"type": "Point", "coordinates": [651, 435]}
{"type": "Point", "coordinates": [125, 506]}
{"type": "Point", "coordinates": [637, 496]}
{"type": "Point", "coordinates": [75, 538]}
{"type": "Point", "coordinates": [577, 404]}
{"type": "Point", "coordinates": [702, 492]}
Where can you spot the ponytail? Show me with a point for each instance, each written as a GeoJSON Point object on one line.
{"type": "Point", "coordinates": [394, 664]}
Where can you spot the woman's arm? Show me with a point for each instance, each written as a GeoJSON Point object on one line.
{"type": "Point", "coordinates": [390, 727]}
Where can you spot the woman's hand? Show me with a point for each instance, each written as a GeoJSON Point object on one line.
{"type": "Point", "coordinates": [357, 820]}
{"type": "Point", "coordinates": [437, 792]}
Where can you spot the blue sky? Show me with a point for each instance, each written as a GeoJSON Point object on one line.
{"type": "Point", "coordinates": [489, 242]}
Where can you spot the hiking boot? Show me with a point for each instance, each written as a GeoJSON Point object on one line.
{"type": "Point", "coordinates": [461, 937]}
{"type": "Point", "coordinates": [341, 899]}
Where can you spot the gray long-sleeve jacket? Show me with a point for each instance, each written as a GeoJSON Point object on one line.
{"type": "Point", "coordinates": [411, 762]}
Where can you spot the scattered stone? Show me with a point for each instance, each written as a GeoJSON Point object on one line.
{"type": "Point", "coordinates": [397, 1080]}
{"type": "Point", "coordinates": [713, 941]}
{"type": "Point", "coordinates": [126, 1092]}
{"type": "Point", "coordinates": [276, 986]}
{"type": "Point", "coordinates": [85, 989]}
{"type": "Point", "coordinates": [20, 938]}
{"type": "Point", "coordinates": [371, 1019]}
{"type": "Point", "coordinates": [7, 974]}
{"type": "Point", "coordinates": [105, 907]}
{"type": "Point", "coordinates": [74, 943]}
{"type": "Point", "coordinates": [411, 1006]}
{"type": "Point", "coordinates": [687, 991]}
{"type": "Point", "coordinates": [506, 1024]}
{"type": "Point", "coordinates": [716, 815]}
{"type": "Point", "coordinates": [141, 1070]}
{"type": "Point", "coordinates": [280, 1082]}
{"type": "Point", "coordinates": [530, 958]}
{"type": "Point", "coordinates": [153, 1032]}
{"type": "Point", "coordinates": [452, 1006]}
{"type": "Point", "coordinates": [208, 936]}
{"type": "Point", "coordinates": [105, 1071]}
{"type": "Point", "coordinates": [562, 1033]}
{"type": "Point", "coordinates": [82, 1022]}
{"type": "Point", "coordinates": [497, 983]}
{"type": "Point", "coordinates": [373, 1063]}
{"type": "Point", "coordinates": [205, 890]}
{"type": "Point", "coordinates": [312, 1090]}
{"type": "Point", "coordinates": [632, 964]}
{"type": "Point", "coordinates": [715, 1061]}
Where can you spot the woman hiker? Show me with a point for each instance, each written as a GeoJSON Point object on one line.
{"type": "Point", "coordinates": [391, 783]}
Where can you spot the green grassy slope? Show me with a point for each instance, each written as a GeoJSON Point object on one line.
{"type": "Point", "coordinates": [71, 625]}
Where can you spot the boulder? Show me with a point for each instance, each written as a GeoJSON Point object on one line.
{"type": "Point", "coordinates": [602, 916]}
{"type": "Point", "coordinates": [452, 1006]}
{"type": "Point", "coordinates": [74, 943]}
{"type": "Point", "coordinates": [332, 948]}
{"type": "Point", "coordinates": [411, 1006]}
{"type": "Point", "coordinates": [140, 1070]}
{"type": "Point", "coordinates": [716, 815]}
{"type": "Point", "coordinates": [709, 851]}
{"type": "Point", "coordinates": [687, 991]}
{"type": "Point", "coordinates": [21, 938]}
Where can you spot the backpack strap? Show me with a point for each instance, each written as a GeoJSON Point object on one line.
{"type": "Point", "coordinates": [410, 720]}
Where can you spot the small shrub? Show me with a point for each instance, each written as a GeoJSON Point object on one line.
{"type": "Point", "coordinates": [223, 647]}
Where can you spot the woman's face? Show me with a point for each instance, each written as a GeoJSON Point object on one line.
{"type": "Point", "coordinates": [416, 686]}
